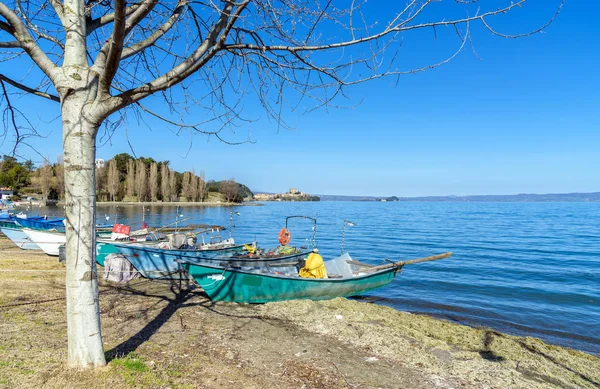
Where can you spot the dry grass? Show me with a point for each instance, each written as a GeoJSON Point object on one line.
{"type": "Point", "coordinates": [158, 336]}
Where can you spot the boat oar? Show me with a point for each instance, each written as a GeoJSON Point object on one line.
{"type": "Point", "coordinates": [402, 263]}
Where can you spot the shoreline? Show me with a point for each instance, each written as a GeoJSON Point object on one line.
{"type": "Point", "coordinates": [180, 204]}
{"type": "Point", "coordinates": [157, 336]}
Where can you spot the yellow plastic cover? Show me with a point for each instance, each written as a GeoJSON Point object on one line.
{"type": "Point", "coordinates": [250, 248]}
{"type": "Point", "coordinates": [314, 267]}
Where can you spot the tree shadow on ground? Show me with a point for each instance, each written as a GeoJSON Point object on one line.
{"type": "Point", "coordinates": [489, 355]}
{"type": "Point", "coordinates": [556, 362]}
{"type": "Point", "coordinates": [180, 295]}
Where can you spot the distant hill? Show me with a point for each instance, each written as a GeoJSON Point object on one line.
{"type": "Point", "coordinates": [524, 197]}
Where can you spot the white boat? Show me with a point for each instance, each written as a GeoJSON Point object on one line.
{"type": "Point", "coordinates": [18, 237]}
{"type": "Point", "coordinates": [48, 241]}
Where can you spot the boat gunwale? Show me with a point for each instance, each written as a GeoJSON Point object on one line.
{"type": "Point", "coordinates": [182, 254]}
{"type": "Point", "coordinates": [282, 276]}
{"type": "Point", "coordinates": [156, 249]}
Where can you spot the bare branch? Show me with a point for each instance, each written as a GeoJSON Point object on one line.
{"type": "Point", "coordinates": [11, 44]}
{"type": "Point", "coordinates": [94, 24]}
{"type": "Point", "coordinates": [58, 8]}
{"type": "Point", "coordinates": [401, 27]}
{"type": "Point", "coordinates": [28, 89]}
{"type": "Point", "coordinates": [209, 47]}
{"type": "Point", "coordinates": [528, 33]}
{"type": "Point", "coordinates": [136, 48]}
{"type": "Point", "coordinates": [115, 47]}
{"type": "Point", "coordinates": [27, 43]}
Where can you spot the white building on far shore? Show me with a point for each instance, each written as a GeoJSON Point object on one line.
{"type": "Point", "coordinates": [5, 193]}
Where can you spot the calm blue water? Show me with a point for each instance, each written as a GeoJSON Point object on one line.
{"type": "Point", "coordinates": [523, 268]}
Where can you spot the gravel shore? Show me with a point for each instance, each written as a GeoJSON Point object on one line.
{"type": "Point", "coordinates": [157, 336]}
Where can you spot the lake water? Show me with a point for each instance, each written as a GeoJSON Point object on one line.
{"type": "Point", "coordinates": [523, 268]}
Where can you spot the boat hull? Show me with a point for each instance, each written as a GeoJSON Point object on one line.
{"type": "Point", "coordinates": [49, 242]}
{"type": "Point", "coordinates": [162, 263]}
{"type": "Point", "coordinates": [41, 223]}
{"type": "Point", "coordinates": [19, 238]}
{"type": "Point", "coordinates": [103, 249]}
{"type": "Point", "coordinates": [222, 284]}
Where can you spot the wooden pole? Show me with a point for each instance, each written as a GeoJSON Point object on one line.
{"type": "Point", "coordinates": [402, 263]}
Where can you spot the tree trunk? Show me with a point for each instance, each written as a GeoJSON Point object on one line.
{"type": "Point", "coordinates": [83, 311]}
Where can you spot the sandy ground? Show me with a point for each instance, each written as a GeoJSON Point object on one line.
{"type": "Point", "coordinates": [157, 335]}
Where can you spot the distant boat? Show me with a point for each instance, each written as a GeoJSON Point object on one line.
{"type": "Point", "coordinates": [262, 285]}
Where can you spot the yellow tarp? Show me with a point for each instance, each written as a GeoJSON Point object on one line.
{"type": "Point", "coordinates": [314, 267]}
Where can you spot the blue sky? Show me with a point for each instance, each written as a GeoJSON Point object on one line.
{"type": "Point", "coordinates": [522, 118]}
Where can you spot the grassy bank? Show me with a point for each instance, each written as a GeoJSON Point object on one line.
{"type": "Point", "coordinates": [159, 336]}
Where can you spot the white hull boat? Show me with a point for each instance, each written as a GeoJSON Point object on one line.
{"type": "Point", "coordinates": [18, 237]}
{"type": "Point", "coordinates": [48, 241]}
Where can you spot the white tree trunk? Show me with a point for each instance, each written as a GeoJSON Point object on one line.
{"type": "Point", "coordinates": [83, 311]}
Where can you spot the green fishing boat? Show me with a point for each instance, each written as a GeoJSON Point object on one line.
{"type": "Point", "coordinates": [104, 249]}
{"type": "Point", "coordinates": [281, 282]}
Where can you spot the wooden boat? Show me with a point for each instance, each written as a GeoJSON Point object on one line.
{"type": "Point", "coordinates": [346, 278]}
{"type": "Point", "coordinates": [15, 233]}
{"type": "Point", "coordinates": [154, 262]}
{"type": "Point", "coordinates": [48, 241]}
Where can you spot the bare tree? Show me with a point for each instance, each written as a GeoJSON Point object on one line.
{"type": "Point", "coordinates": [45, 179]}
{"type": "Point", "coordinates": [193, 187]}
{"type": "Point", "coordinates": [97, 58]}
{"type": "Point", "coordinates": [230, 190]}
{"type": "Point", "coordinates": [101, 183]}
{"type": "Point", "coordinates": [141, 180]}
{"type": "Point", "coordinates": [186, 188]}
{"type": "Point", "coordinates": [164, 183]}
{"type": "Point", "coordinates": [113, 179]}
{"type": "Point", "coordinates": [59, 179]}
{"type": "Point", "coordinates": [201, 187]}
{"type": "Point", "coordinates": [153, 184]}
{"type": "Point", "coordinates": [130, 179]}
{"type": "Point", "coordinates": [173, 186]}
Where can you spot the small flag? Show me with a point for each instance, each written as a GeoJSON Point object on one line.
{"type": "Point", "coordinates": [144, 225]}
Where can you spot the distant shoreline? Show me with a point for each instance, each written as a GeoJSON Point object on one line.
{"type": "Point", "coordinates": [175, 203]}
{"type": "Point", "coordinates": [592, 197]}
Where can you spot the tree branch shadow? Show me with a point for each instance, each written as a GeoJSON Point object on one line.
{"type": "Point", "coordinates": [181, 298]}
{"type": "Point", "coordinates": [488, 354]}
{"type": "Point", "coordinates": [557, 363]}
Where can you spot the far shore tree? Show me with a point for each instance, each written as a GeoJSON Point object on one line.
{"type": "Point", "coordinates": [195, 66]}
{"type": "Point", "coordinates": [164, 183]}
{"type": "Point", "coordinates": [194, 187]}
{"type": "Point", "coordinates": [173, 185]}
{"type": "Point", "coordinates": [45, 178]}
{"type": "Point", "coordinates": [113, 180]}
{"type": "Point", "coordinates": [201, 186]}
{"type": "Point", "coordinates": [130, 179]}
{"type": "Point", "coordinates": [153, 183]}
{"type": "Point", "coordinates": [59, 178]}
{"type": "Point", "coordinates": [141, 180]}
{"type": "Point", "coordinates": [186, 187]}
{"type": "Point", "coordinates": [230, 190]}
